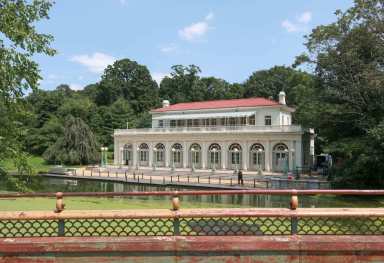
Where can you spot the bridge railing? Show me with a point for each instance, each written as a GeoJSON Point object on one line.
{"type": "Point", "coordinates": [194, 222]}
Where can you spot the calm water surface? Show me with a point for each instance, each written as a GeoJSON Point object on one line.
{"type": "Point", "coordinates": [82, 185]}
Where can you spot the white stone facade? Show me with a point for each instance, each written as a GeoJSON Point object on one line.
{"type": "Point", "coordinates": [248, 138]}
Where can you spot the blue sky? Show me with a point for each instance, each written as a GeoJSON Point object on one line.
{"type": "Point", "coordinates": [226, 38]}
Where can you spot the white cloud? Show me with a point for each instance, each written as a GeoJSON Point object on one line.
{"type": "Point", "coordinates": [196, 30]}
{"type": "Point", "coordinates": [305, 17]}
{"type": "Point", "coordinates": [300, 24]}
{"type": "Point", "coordinates": [210, 16]}
{"type": "Point", "coordinates": [158, 76]}
{"type": "Point", "coordinates": [76, 86]}
{"type": "Point", "coordinates": [95, 63]}
{"type": "Point", "coordinates": [168, 49]}
{"type": "Point", "coordinates": [289, 26]}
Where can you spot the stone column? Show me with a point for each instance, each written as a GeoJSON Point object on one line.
{"type": "Point", "coordinates": [135, 158]}
{"type": "Point", "coordinates": [150, 154]}
{"type": "Point", "coordinates": [268, 156]}
{"type": "Point", "coordinates": [185, 154]}
{"type": "Point", "coordinates": [204, 155]}
{"type": "Point", "coordinates": [224, 155]}
{"type": "Point", "coordinates": [116, 149]}
{"type": "Point", "coordinates": [290, 163]}
{"type": "Point", "coordinates": [244, 155]}
{"type": "Point", "coordinates": [298, 153]}
{"type": "Point", "coordinates": [167, 153]}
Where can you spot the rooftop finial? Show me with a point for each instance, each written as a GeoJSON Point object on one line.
{"type": "Point", "coordinates": [165, 103]}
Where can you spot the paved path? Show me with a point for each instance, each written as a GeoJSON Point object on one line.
{"type": "Point", "coordinates": [200, 178]}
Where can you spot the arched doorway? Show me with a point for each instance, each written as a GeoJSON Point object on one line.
{"type": "Point", "coordinates": [177, 155]}
{"type": "Point", "coordinates": [235, 156]}
{"type": "Point", "coordinates": [144, 154]}
{"type": "Point", "coordinates": [195, 156]}
{"type": "Point", "coordinates": [257, 157]}
{"type": "Point", "coordinates": [127, 154]}
{"type": "Point", "coordinates": [159, 155]}
{"type": "Point", "coordinates": [280, 158]}
{"type": "Point", "coordinates": [214, 156]}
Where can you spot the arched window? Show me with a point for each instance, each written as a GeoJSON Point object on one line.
{"type": "Point", "coordinates": [159, 152]}
{"type": "Point", "coordinates": [127, 154]}
{"type": "Point", "coordinates": [195, 155]}
{"type": "Point", "coordinates": [214, 153]}
{"type": "Point", "coordinates": [257, 157]}
{"type": "Point", "coordinates": [177, 155]}
{"type": "Point", "coordinates": [235, 156]}
{"type": "Point", "coordinates": [280, 158]}
{"type": "Point", "coordinates": [143, 154]}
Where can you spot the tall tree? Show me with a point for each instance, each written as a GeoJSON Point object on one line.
{"type": "Point", "coordinates": [19, 42]}
{"type": "Point", "coordinates": [183, 85]}
{"type": "Point", "coordinates": [268, 83]}
{"type": "Point", "coordinates": [78, 145]}
{"type": "Point", "coordinates": [130, 80]}
{"type": "Point", "coordinates": [348, 59]}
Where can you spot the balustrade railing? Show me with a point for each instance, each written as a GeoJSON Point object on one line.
{"type": "Point", "coordinates": [278, 128]}
{"type": "Point", "coordinates": [194, 222]}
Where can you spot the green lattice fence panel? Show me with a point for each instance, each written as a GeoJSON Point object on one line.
{"type": "Point", "coordinates": [28, 228]}
{"type": "Point", "coordinates": [235, 226]}
{"type": "Point", "coordinates": [341, 226]}
{"type": "Point", "coordinates": [119, 227]}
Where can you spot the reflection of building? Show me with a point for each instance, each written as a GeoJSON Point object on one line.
{"type": "Point", "coordinates": [248, 134]}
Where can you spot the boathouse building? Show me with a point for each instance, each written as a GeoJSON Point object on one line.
{"type": "Point", "coordinates": [248, 134]}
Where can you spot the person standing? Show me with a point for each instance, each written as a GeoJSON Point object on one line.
{"type": "Point", "coordinates": [240, 177]}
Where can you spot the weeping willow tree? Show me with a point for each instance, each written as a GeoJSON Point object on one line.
{"type": "Point", "coordinates": [78, 145]}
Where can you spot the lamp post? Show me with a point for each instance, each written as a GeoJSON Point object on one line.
{"type": "Point", "coordinates": [137, 158]}
{"type": "Point", "coordinates": [103, 156]}
{"type": "Point", "coordinates": [173, 160]}
{"type": "Point", "coordinates": [237, 160]}
{"type": "Point", "coordinates": [154, 160]}
{"type": "Point", "coordinates": [214, 150]}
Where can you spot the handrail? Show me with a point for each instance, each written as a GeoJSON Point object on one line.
{"type": "Point", "coordinates": [284, 128]}
{"type": "Point", "coordinates": [203, 192]}
{"type": "Point", "coordinates": [193, 213]}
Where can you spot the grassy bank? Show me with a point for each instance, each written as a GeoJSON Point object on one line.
{"type": "Point", "coordinates": [89, 203]}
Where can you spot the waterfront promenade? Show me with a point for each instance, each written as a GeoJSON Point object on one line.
{"type": "Point", "coordinates": [200, 178]}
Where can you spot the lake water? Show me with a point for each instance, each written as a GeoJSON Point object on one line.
{"type": "Point", "coordinates": [83, 185]}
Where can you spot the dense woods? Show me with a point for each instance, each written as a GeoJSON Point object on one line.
{"type": "Point", "coordinates": [338, 90]}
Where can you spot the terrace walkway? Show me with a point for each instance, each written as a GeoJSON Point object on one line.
{"type": "Point", "coordinates": [291, 234]}
{"type": "Point", "coordinates": [186, 178]}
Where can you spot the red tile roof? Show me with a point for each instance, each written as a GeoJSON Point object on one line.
{"type": "Point", "coordinates": [218, 104]}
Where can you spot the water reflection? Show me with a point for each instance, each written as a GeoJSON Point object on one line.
{"type": "Point", "coordinates": [65, 185]}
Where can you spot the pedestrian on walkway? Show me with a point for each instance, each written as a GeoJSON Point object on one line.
{"type": "Point", "coordinates": [240, 177]}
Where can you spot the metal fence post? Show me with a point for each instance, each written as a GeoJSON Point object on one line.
{"type": "Point", "coordinates": [175, 207]}
{"type": "Point", "coordinates": [91, 172]}
{"type": "Point", "coordinates": [61, 228]}
{"type": "Point", "coordinates": [294, 203]}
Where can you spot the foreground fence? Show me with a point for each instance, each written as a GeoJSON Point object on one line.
{"type": "Point", "coordinates": [291, 234]}
{"type": "Point", "coordinates": [194, 222]}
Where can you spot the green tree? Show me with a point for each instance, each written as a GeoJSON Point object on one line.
{"type": "Point", "coordinates": [131, 81]}
{"type": "Point", "coordinates": [19, 42]}
{"type": "Point", "coordinates": [183, 85]}
{"type": "Point", "coordinates": [268, 83]}
{"type": "Point", "coordinates": [78, 145]}
{"type": "Point", "coordinates": [348, 62]}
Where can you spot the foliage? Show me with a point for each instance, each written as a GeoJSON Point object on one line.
{"type": "Point", "coordinates": [348, 59]}
{"type": "Point", "coordinates": [78, 145]}
{"type": "Point", "coordinates": [19, 42]}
